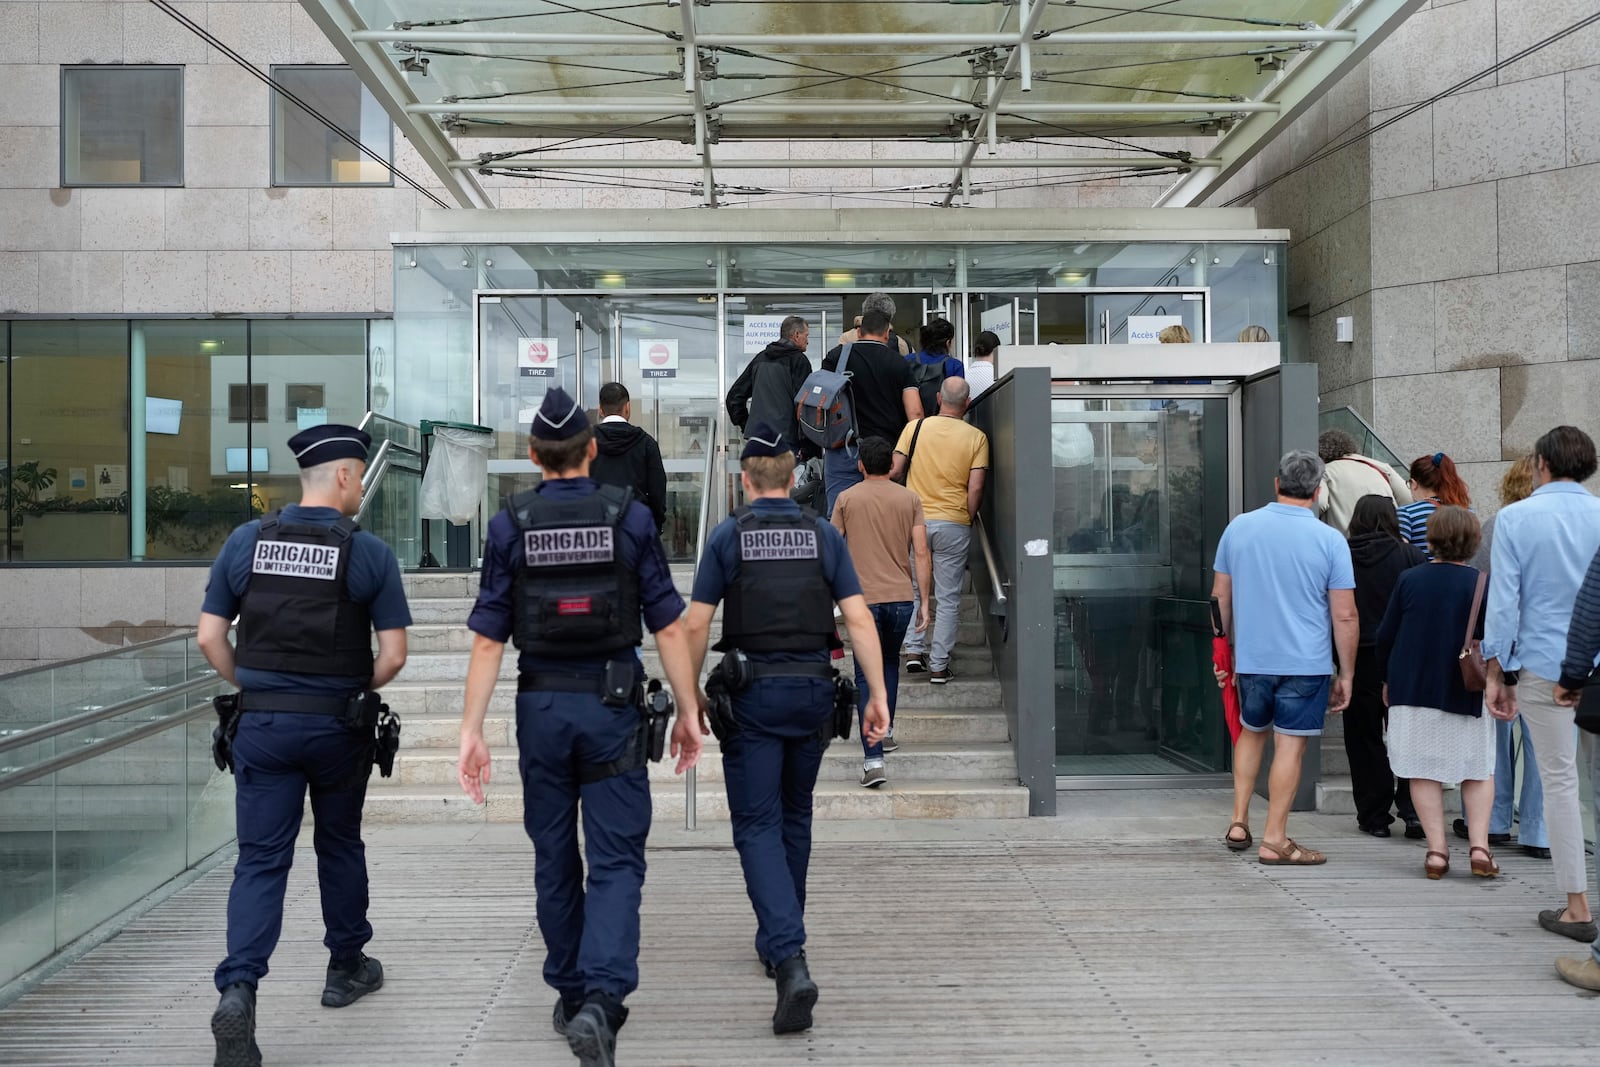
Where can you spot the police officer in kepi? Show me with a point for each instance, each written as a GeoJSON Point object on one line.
{"type": "Point", "coordinates": [781, 570]}
{"type": "Point", "coordinates": [569, 569]}
{"type": "Point", "coordinates": [308, 588]}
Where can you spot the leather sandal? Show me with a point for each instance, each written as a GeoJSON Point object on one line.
{"type": "Point", "coordinates": [1238, 844]}
{"type": "Point", "coordinates": [1290, 854]}
{"type": "Point", "coordinates": [1436, 873]}
{"type": "Point", "coordinates": [1486, 867]}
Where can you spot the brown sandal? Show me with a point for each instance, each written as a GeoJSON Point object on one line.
{"type": "Point", "coordinates": [1485, 868]}
{"type": "Point", "coordinates": [1290, 854]}
{"type": "Point", "coordinates": [1238, 844]}
{"type": "Point", "coordinates": [1436, 873]}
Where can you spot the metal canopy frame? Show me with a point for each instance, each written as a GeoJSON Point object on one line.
{"type": "Point", "coordinates": [1135, 71]}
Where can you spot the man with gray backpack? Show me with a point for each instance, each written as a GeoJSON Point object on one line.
{"type": "Point", "coordinates": [765, 392]}
{"type": "Point", "coordinates": [864, 389]}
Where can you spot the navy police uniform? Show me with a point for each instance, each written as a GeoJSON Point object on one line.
{"type": "Point", "coordinates": [780, 570]}
{"type": "Point", "coordinates": [308, 589]}
{"type": "Point", "coordinates": [569, 569]}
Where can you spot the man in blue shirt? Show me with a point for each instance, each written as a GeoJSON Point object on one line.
{"type": "Point", "coordinates": [1542, 546]}
{"type": "Point", "coordinates": [308, 588]}
{"type": "Point", "coordinates": [569, 571]}
{"type": "Point", "coordinates": [1286, 588]}
{"type": "Point", "coordinates": [781, 571]}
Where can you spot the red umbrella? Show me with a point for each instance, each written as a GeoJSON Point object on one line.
{"type": "Point", "coordinates": [1222, 659]}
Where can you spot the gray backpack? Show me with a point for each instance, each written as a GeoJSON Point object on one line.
{"type": "Point", "coordinates": [822, 406]}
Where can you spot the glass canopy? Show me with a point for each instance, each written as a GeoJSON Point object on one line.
{"type": "Point", "coordinates": [1107, 86]}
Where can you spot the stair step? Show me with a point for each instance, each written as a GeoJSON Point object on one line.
{"type": "Point", "coordinates": [1336, 797]}
{"type": "Point", "coordinates": [427, 730]}
{"type": "Point", "coordinates": [443, 696]}
{"type": "Point", "coordinates": [997, 799]}
{"type": "Point", "coordinates": [842, 762]}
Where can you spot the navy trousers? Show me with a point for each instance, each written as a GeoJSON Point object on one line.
{"type": "Point", "coordinates": [591, 934]}
{"type": "Point", "coordinates": [770, 766]}
{"type": "Point", "coordinates": [276, 757]}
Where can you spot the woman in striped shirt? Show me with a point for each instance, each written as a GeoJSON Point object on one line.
{"type": "Point", "coordinates": [1434, 482]}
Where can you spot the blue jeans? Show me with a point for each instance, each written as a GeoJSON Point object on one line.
{"type": "Point", "coordinates": [839, 472]}
{"type": "Point", "coordinates": [893, 618]}
{"type": "Point", "coordinates": [770, 766]}
{"type": "Point", "coordinates": [1293, 704]}
{"type": "Point", "coordinates": [1530, 813]}
{"type": "Point", "coordinates": [591, 932]}
{"type": "Point", "coordinates": [277, 756]}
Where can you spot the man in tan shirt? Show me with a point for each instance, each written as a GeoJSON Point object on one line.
{"type": "Point", "coordinates": [883, 526]}
{"type": "Point", "coordinates": [1348, 476]}
{"type": "Point", "coordinates": [944, 460]}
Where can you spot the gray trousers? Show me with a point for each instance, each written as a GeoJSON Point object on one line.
{"type": "Point", "coordinates": [948, 543]}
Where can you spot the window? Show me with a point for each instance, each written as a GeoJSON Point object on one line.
{"type": "Point", "coordinates": [247, 403]}
{"type": "Point", "coordinates": [304, 398]}
{"type": "Point", "coordinates": [305, 152]}
{"type": "Point", "coordinates": [121, 125]}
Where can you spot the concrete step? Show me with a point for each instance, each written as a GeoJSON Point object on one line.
{"type": "Point", "coordinates": [426, 730]}
{"type": "Point", "coordinates": [841, 763]}
{"type": "Point", "coordinates": [428, 584]}
{"type": "Point", "coordinates": [429, 634]}
{"type": "Point", "coordinates": [451, 666]}
{"type": "Point", "coordinates": [442, 697]}
{"type": "Point", "coordinates": [1336, 797]}
{"type": "Point", "coordinates": [998, 799]}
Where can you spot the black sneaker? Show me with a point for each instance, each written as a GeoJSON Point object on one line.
{"type": "Point", "coordinates": [563, 1015]}
{"type": "Point", "coordinates": [797, 995]}
{"type": "Point", "coordinates": [1536, 851]}
{"type": "Point", "coordinates": [940, 675]}
{"type": "Point", "coordinates": [916, 663]}
{"type": "Point", "coordinates": [592, 1035]}
{"type": "Point", "coordinates": [1495, 840]}
{"type": "Point", "coordinates": [349, 983]}
{"type": "Point", "coordinates": [233, 1025]}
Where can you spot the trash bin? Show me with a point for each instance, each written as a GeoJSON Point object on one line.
{"type": "Point", "coordinates": [455, 470]}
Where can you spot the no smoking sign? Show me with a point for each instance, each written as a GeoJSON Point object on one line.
{"type": "Point", "coordinates": [658, 358]}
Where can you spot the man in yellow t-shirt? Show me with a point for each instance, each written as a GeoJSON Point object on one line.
{"type": "Point", "coordinates": [943, 459]}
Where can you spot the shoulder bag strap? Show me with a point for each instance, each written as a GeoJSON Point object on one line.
{"type": "Point", "coordinates": [912, 451]}
{"type": "Point", "coordinates": [1472, 616]}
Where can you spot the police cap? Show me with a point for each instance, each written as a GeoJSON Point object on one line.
{"type": "Point", "coordinates": [764, 440]}
{"type": "Point", "coordinates": [558, 418]}
{"type": "Point", "coordinates": [328, 442]}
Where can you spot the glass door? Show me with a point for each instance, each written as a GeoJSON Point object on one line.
{"type": "Point", "coordinates": [1121, 318]}
{"type": "Point", "coordinates": [1142, 491]}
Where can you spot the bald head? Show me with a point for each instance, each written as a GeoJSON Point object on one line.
{"type": "Point", "coordinates": [953, 396]}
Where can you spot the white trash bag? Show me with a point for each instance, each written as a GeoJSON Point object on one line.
{"type": "Point", "coordinates": [458, 470]}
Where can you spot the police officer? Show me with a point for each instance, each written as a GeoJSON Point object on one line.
{"type": "Point", "coordinates": [780, 570]}
{"type": "Point", "coordinates": [568, 570]}
{"type": "Point", "coordinates": [308, 588]}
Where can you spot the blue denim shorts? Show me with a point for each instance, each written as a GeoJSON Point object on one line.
{"type": "Point", "coordinates": [1294, 704]}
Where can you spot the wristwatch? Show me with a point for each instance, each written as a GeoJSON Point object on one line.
{"type": "Point", "coordinates": [1510, 677]}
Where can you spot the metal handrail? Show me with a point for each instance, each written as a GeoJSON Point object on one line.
{"type": "Point", "coordinates": [715, 483]}
{"type": "Point", "coordinates": [183, 635]}
{"type": "Point", "coordinates": [999, 605]}
{"type": "Point", "coordinates": [383, 462]}
{"type": "Point", "coordinates": [45, 731]}
{"type": "Point", "coordinates": [109, 744]}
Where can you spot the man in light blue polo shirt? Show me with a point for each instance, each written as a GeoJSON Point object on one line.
{"type": "Point", "coordinates": [1287, 593]}
{"type": "Point", "coordinates": [1542, 547]}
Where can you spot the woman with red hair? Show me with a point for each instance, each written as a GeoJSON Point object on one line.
{"type": "Point", "coordinates": [1434, 483]}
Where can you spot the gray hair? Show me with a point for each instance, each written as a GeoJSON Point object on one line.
{"type": "Point", "coordinates": [1299, 474]}
{"type": "Point", "coordinates": [878, 302]}
{"type": "Point", "coordinates": [792, 327]}
{"type": "Point", "coordinates": [954, 393]}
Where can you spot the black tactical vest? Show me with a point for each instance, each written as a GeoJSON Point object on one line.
{"type": "Point", "coordinates": [296, 615]}
{"type": "Point", "coordinates": [574, 595]}
{"type": "Point", "coordinates": [780, 600]}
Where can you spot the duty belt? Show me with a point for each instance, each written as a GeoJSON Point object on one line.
{"type": "Point", "coordinates": [545, 682]}
{"type": "Point", "coordinates": [297, 703]}
{"type": "Point", "coordinates": [634, 757]}
{"type": "Point", "coordinates": [790, 670]}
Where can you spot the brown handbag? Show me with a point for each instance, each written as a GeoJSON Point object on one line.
{"type": "Point", "coordinates": [1474, 674]}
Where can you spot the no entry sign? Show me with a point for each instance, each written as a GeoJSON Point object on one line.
{"type": "Point", "coordinates": [658, 358]}
{"type": "Point", "coordinates": [536, 357]}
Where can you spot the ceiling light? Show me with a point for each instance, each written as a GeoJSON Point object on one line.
{"type": "Point", "coordinates": [838, 279]}
{"type": "Point", "coordinates": [613, 280]}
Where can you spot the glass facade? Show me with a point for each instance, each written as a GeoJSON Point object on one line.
{"type": "Point", "coordinates": [151, 439]}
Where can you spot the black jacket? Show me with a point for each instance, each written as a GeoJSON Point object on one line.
{"type": "Point", "coordinates": [1379, 560]}
{"type": "Point", "coordinates": [739, 394]}
{"type": "Point", "coordinates": [630, 457]}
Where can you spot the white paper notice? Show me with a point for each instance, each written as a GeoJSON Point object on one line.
{"type": "Point", "coordinates": [1038, 547]}
{"type": "Point", "coordinates": [760, 331]}
{"type": "Point", "coordinates": [998, 321]}
{"type": "Point", "coordinates": [1146, 329]}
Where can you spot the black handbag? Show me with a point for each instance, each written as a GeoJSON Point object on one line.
{"type": "Point", "coordinates": [1587, 713]}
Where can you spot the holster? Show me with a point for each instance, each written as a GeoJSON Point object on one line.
{"type": "Point", "coordinates": [844, 705]}
{"type": "Point", "coordinates": [657, 710]}
{"type": "Point", "coordinates": [228, 712]}
{"type": "Point", "coordinates": [369, 716]}
{"type": "Point", "coordinates": [723, 724]}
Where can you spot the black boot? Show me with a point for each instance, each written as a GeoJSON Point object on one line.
{"type": "Point", "coordinates": [349, 982]}
{"type": "Point", "coordinates": [797, 995]}
{"type": "Point", "coordinates": [233, 1025]}
{"type": "Point", "coordinates": [563, 1014]}
{"type": "Point", "coordinates": [592, 1033]}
